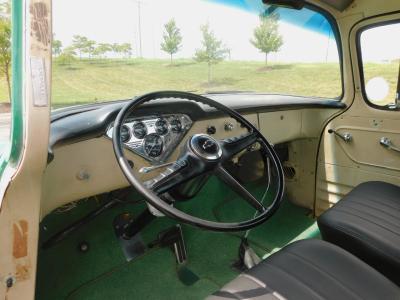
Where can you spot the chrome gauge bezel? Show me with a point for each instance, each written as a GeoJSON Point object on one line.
{"type": "Point", "coordinates": [129, 132]}
{"type": "Point", "coordinates": [160, 144]}
{"type": "Point", "coordinates": [170, 139]}
{"type": "Point", "coordinates": [133, 129]}
{"type": "Point", "coordinates": [166, 129]}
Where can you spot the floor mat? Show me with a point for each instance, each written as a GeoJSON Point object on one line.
{"type": "Point", "coordinates": [152, 276]}
{"type": "Point", "coordinates": [64, 272]}
{"type": "Point", "coordinates": [288, 224]}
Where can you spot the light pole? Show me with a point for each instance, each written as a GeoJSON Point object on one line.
{"type": "Point", "coordinates": [140, 29]}
{"type": "Point", "coordinates": [139, 4]}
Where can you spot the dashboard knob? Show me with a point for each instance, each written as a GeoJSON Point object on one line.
{"type": "Point", "coordinates": [211, 129]}
{"type": "Point", "coordinates": [229, 126]}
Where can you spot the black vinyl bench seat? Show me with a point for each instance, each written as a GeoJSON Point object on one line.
{"type": "Point", "coordinates": [366, 222]}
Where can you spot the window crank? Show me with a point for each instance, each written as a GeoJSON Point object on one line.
{"type": "Point", "coordinates": [387, 143]}
{"type": "Point", "coordinates": [346, 137]}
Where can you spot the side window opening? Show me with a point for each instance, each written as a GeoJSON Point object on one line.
{"type": "Point", "coordinates": [5, 74]}
{"type": "Point", "coordinates": [380, 71]}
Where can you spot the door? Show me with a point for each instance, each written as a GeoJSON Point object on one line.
{"type": "Point", "coordinates": [23, 154]}
{"type": "Point", "coordinates": [363, 144]}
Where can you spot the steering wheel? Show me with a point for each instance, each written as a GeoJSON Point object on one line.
{"type": "Point", "coordinates": [202, 154]}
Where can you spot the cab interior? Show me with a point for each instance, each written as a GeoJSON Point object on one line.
{"type": "Point", "coordinates": [219, 195]}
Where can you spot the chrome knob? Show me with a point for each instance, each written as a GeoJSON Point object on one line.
{"type": "Point", "coordinates": [229, 126]}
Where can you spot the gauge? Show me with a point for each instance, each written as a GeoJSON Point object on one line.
{"type": "Point", "coordinates": [176, 126]}
{"type": "Point", "coordinates": [161, 126]}
{"type": "Point", "coordinates": [153, 145]}
{"type": "Point", "coordinates": [125, 134]}
{"type": "Point", "coordinates": [139, 130]}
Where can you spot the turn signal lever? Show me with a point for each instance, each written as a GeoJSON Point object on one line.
{"type": "Point", "coordinates": [178, 163]}
{"type": "Point", "coordinates": [346, 137]}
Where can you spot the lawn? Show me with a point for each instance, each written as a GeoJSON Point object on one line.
{"type": "Point", "coordinates": [100, 80]}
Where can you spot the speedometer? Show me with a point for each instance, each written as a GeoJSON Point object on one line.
{"type": "Point", "coordinates": [153, 145]}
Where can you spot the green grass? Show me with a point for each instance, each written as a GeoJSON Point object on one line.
{"type": "Point", "coordinates": [3, 90]}
{"type": "Point", "coordinates": [88, 81]}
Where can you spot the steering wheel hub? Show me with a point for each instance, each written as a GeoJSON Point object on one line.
{"type": "Point", "coordinates": [206, 147]}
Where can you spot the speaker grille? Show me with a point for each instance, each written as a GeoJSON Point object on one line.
{"type": "Point", "coordinates": [289, 172]}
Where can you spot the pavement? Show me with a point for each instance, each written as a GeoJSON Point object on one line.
{"type": "Point", "coordinates": [5, 124]}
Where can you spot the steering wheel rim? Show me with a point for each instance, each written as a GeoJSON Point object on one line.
{"type": "Point", "coordinates": [154, 200]}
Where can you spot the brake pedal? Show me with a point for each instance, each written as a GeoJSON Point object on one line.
{"type": "Point", "coordinates": [173, 238]}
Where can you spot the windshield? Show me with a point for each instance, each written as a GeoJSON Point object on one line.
{"type": "Point", "coordinates": [108, 50]}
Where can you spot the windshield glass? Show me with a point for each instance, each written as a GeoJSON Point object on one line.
{"type": "Point", "coordinates": [111, 50]}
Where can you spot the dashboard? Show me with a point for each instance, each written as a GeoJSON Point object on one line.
{"type": "Point", "coordinates": [153, 137]}
{"type": "Point", "coordinates": [81, 160]}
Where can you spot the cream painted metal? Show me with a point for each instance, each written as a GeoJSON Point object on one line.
{"type": "Point", "coordinates": [19, 216]}
{"type": "Point", "coordinates": [341, 166]}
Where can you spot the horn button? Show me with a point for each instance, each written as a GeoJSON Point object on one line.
{"type": "Point", "coordinates": [206, 147]}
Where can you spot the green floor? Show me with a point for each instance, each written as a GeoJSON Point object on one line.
{"type": "Point", "coordinates": [102, 273]}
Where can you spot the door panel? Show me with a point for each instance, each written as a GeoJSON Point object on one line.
{"type": "Point", "coordinates": [343, 165]}
{"type": "Point", "coordinates": [365, 147]}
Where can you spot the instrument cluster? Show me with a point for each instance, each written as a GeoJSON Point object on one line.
{"type": "Point", "coordinates": [153, 137]}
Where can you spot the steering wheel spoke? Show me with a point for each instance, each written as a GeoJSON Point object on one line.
{"type": "Point", "coordinates": [234, 145]}
{"type": "Point", "coordinates": [175, 174]}
{"type": "Point", "coordinates": [236, 186]}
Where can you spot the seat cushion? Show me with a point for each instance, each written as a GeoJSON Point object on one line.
{"type": "Point", "coordinates": [366, 222]}
{"type": "Point", "coordinates": [310, 269]}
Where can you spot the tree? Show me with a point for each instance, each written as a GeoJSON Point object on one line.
{"type": "Point", "coordinates": [5, 9]}
{"type": "Point", "coordinates": [266, 36]}
{"type": "Point", "coordinates": [5, 51]}
{"type": "Point", "coordinates": [212, 51]}
{"type": "Point", "coordinates": [57, 47]}
{"type": "Point", "coordinates": [89, 47]}
{"type": "Point", "coordinates": [126, 49]}
{"type": "Point", "coordinates": [115, 48]}
{"type": "Point", "coordinates": [172, 38]}
{"type": "Point", "coordinates": [102, 49]}
{"type": "Point", "coordinates": [80, 44]}
{"type": "Point", "coordinates": [67, 56]}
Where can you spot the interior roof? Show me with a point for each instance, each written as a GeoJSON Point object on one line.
{"type": "Point", "coordinates": [340, 5]}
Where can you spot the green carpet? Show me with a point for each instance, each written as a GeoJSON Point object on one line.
{"type": "Point", "coordinates": [288, 224]}
{"type": "Point", "coordinates": [101, 273]}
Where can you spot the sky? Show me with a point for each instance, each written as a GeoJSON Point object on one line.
{"type": "Point", "coordinates": [117, 21]}
{"type": "Point", "coordinates": [381, 43]}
